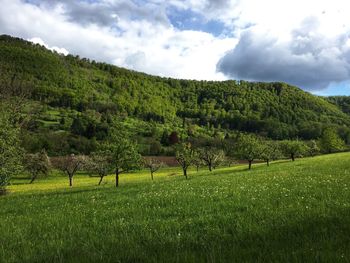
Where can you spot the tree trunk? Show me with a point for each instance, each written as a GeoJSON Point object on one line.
{"type": "Point", "coordinates": [185, 172]}
{"type": "Point", "coordinates": [152, 175]}
{"type": "Point", "coordinates": [70, 181]}
{"type": "Point", "coordinates": [268, 162]}
{"type": "Point", "coordinates": [250, 164]}
{"type": "Point", "coordinates": [197, 167]}
{"type": "Point", "coordinates": [101, 178]}
{"type": "Point", "coordinates": [33, 178]}
{"type": "Point", "coordinates": [116, 178]}
{"type": "Point", "coordinates": [292, 156]}
{"type": "Point", "coordinates": [210, 167]}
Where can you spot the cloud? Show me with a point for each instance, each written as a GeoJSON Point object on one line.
{"type": "Point", "coordinates": [303, 43]}
{"type": "Point", "coordinates": [139, 44]}
{"type": "Point", "coordinates": [39, 41]}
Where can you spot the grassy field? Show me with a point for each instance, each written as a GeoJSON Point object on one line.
{"type": "Point", "coordinates": [288, 212]}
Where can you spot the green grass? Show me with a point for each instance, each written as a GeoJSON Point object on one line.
{"type": "Point", "coordinates": [288, 212]}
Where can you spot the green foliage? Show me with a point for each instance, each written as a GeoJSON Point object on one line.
{"type": "Point", "coordinates": [314, 149]}
{"type": "Point", "coordinates": [79, 98]}
{"type": "Point", "coordinates": [10, 151]}
{"type": "Point", "coordinates": [122, 153]}
{"type": "Point", "coordinates": [270, 150]}
{"type": "Point", "coordinates": [185, 156]}
{"type": "Point", "coordinates": [294, 149]}
{"type": "Point", "coordinates": [330, 141]}
{"type": "Point", "coordinates": [249, 148]}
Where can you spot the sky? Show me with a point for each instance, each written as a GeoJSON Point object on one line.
{"type": "Point", "coordinates": [302, 42]}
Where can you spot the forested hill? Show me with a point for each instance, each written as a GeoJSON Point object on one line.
{"type": "Point", "coordinates": [74, 91]}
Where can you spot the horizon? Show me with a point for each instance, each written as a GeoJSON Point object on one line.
{"type": "Point", "coordinates": [200, 40]}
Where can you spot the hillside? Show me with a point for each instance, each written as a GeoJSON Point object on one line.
{"type": "Point", "coordinates": [75, 101]}
{"type": "Point", "coordinates": [288, 212]}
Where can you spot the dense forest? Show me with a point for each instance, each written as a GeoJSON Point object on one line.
{"type": "Point", "coordinates": [73, 103]}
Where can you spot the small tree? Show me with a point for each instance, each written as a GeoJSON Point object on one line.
{"type": "Point", "coordinates": [122, 153]}
{"type": "Point", "coordinates": [198, 162]}
{"type": "Point", "coordinates": [100, 165]}
{"type": "Point", "coordinates": [37, 164]}
{"type": "Point", "coordinates": [330, 141]}
{"type": "Point", "coordinates": [313, 148]}
{"type": "Point", "coordinates": [248, 148]}
{"type": "Point", "coordinates": [270, 150]}
{"type": "Point", "coordinates": [293, 149]}
{"type": "Point", "coordinates": [185, 156]}
{"type": "Point", "coordinates": [152, 164]}
{"type": "Point", "coordinates": [211, 157]}
{"type": "Point", "coordinates": [70, 165]}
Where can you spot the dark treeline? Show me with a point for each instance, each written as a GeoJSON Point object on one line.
{"type": "Point", "coordinates": [74, 102]}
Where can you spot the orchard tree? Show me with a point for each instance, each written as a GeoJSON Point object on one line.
{"type": "Point", "coordinates": [330, 141]}
{"type": "Point", "coordinates": [122, 153]}
{"type": "Point", "coordinates": [10, 151]}
{"type": "Point", "coordinates": [197, 161]}
{"type": "Point", "coordinates": [270, 150]}
{"type": "Point", "coordinates": [69, 165]}
{"type": "Point", "coordinates": [185, 156]}
{"type": "Point", "coordinates": [211, 157]}
{"type": "Point", "coordinates": [152, 164]}
{"type": "Point", "coordinates": [294, 148]}
{"type": "Point", "coordinates": [249, 148]}
{"type": "Point", "coordinates": [100, 165]}
{"type": "Point", "coordinates": [12, 100]}
{"type": "Point", "coordinates": [37, 165]}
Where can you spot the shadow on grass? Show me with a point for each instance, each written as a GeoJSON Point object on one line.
{"type": "Point", "coordinates": [312, 239]}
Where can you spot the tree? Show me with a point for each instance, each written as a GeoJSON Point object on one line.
{"type": "Point", "coordinates": [330, 141]}
{"type": "Point", "coordinates": [313, 148]}
{"type": "Point", "coordinates": [198, 162]}
{"type": "Point", "coordinates": [152, 164]}
{"type": "Point", "coordinates": [122, 153]}
{"type": "Point", "coordinates": [100, 165]}
{"type": "Point", "coordinates": [293, 149]}
{"type": "Point", "coordinates": [185, 156]}
{"type": "Point", "coordinates": [13, 96]}
{"type": "Point", "coordinates": [37, 164]}
{"type": "Point", "coordinates": [10, 151]}
{"type": "Point", "coordinates": [70, 165]}
{"type": "Point", "coordinates": [211, 157]}
{"type": "Point", "coordinates": [270, 150]}
{"type": "Point", "coordinates": [248, 148]}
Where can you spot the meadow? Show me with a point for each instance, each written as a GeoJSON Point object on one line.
{"type": "Point", "coordinates": [288, 212]}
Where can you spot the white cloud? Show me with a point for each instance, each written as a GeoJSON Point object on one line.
{"type": "Point", "coordinates": [305, 43]}
{"type": "Point", "coordinates": [302, 42]}
{"type": "Point", "coordinates": [37, 40]}
{"type": "Point", "coordinates": [139, 44]}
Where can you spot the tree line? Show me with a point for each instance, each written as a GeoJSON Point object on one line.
{"type": "Point", "coordinates": [119, 155]}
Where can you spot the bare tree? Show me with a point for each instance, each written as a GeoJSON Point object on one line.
{"type": "Point", "coordinates": [37, 164]}
{"type": "Point", "coordinates": [212, 157]}
{"type": "Point", "coordinates": [70, 165]}
{"type": "Point", "coordinates": [100, 165]}
{"type": "Point", "coordinates": [152, 164]}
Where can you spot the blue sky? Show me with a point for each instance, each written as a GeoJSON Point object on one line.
{"type": "Point", "coordinates": [304, 43]}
